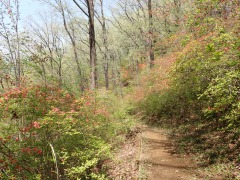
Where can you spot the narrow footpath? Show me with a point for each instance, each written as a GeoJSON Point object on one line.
{"type": "Point", "coordinates": [148, 154]}
{"type": "Point", "coordinates": [158, 160]}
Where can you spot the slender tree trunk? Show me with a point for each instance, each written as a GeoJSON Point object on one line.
{"type": "Point", "coordinates": [60, 79]}
{"type": "Point", "coordinates": [150, 32]}
{"type": "Point", "coordinates": [73, 42]}
{"type": "Point", "coordinates": [106, 50]}
{"type": "Point", "coordinates": [120, 83]}
{"type": "Point", "coordinates": [51, 61]}
{"type": "Point", "coordinates": [44, 74]}
{"type": "Point", "coordinates": [106, 74]}
{"type": "Point", "coordinates": [81, 84]}
{"type": "Point", "coordinates": [18, 60]}
{"type": "Point", "coordinates": [113, 78]}
{"type": "Point", "coordinates": [93, 54]}
{"type": "Point", "coordinates": [92, 42]}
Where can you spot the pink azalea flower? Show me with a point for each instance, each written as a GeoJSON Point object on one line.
{"type": "Point", "coordinates": [36, 124]}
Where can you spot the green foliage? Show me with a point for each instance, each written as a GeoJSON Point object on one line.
{"type": "Point", "coordinates": [160, 104]}
{"type": "Point", "coordinates": [223, 96]}
{"type": "Point", "coordinates": [119, 112]}
{"type": "Point", "coordinates": [46, 132]}
{"type": "Point", "coordinates": [211, 68]}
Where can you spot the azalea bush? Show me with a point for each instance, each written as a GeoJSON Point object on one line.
{"type": "Point", "coordinates": [223, 97]}
{"type": "Point", "coordinates": [47, 133]}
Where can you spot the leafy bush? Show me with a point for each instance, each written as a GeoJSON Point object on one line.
{"type": "Point", "coordinates": [223, 97]}
{"type": "Point", "coordinates": [47, 133]}
{"type": "Point", "coordinates": [210, 70]}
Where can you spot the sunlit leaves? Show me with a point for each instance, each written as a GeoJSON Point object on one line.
{"type": "Point", "coordinates": [34, 117]}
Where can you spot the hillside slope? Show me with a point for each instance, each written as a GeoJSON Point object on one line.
{"type": "Point", "coordinates": [195, 90]}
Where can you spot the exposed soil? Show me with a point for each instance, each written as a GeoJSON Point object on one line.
{"type": "Point", "coordinates": [149, 155]}
{"type": "Point", "coordinates": [159, 161]}
{"type": "Point", "coordinates": [125, 163]}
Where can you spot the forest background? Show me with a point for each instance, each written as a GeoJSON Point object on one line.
{"type": "Point", "coordinates": [63, 71]}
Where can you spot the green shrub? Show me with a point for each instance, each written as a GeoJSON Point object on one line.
{"type": "Point", "coordinates": [46, 132]}
{"type": "Point", "coordinates": [223, 99]}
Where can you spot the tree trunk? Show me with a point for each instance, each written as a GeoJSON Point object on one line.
{"type": "Point", "coordinates": [93, 54]}
{"type": "Point", "coordinates": [150, 32]}
{"type": "Point", "coordinates": [81, 84]}
{"type": "Point", "coordinates": [106, 50]}
{"type": "Point", "coordinates": [73, 42]}
{"type": "Point", "coordinates": [106, 74]}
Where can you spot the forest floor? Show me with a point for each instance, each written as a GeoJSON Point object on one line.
{"type": "Point", "coordinates": [149, 154]}
{"type": "Point", "coordinates": [159, 160]}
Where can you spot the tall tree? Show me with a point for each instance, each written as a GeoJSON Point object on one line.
{"type": "Point", "coordinates": [47, 47]}
{"type": "Point", "coordinates": [9, 32]}
{"type": "Point", "coordinates": [104, 36]}
{"type": "Point", "coordinates": [150, 33]}
{"type": "Point", "coordinates": [92, 40]}
{"type": "Point", "coordinates": [64, 11]}
{"type": "Point", "coordinates": [63, 8]}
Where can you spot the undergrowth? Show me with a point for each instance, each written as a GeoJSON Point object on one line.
{"type": "Point", "coordinates": [48, 133]}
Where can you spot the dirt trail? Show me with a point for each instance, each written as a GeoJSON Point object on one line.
{"type": "Point", "coordinates": [158, 160]}
{"type": "Point", "coordinates": [148, 154]}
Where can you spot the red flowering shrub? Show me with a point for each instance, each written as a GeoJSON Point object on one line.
{"type": "Point", "coordinates": [46, 132]}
